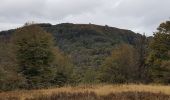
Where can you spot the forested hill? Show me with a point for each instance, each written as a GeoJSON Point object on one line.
{"type": "Point", "coordinates": [87, 44]}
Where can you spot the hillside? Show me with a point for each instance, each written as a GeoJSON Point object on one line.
{"type": "Point", "coordinates": [81, 54]}
{"type": "Point", "coordinates": [86, 44]}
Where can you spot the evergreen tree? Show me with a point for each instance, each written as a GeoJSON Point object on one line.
{"type": "Point", "coordinates": [159, 58]}
{"type": "Point", "coordinates": [142, 48]}
{"type": "Point", "coordinates": [34, 49]}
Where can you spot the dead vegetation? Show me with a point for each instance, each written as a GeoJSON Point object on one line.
{"type": "Point", "coordinates": [96, 92]}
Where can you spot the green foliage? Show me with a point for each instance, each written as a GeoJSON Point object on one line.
{"type": "Point", "coordinates": [159, 57]}
{"type": "Point", "coordinates": [9, 78]}
{"type": "Point", "coordinates": [29, 59]}
{"type": "Point", "coordinates": [89, 52]}
{"type": "Point", "coordinates": [88, 44]}
{"type": "Point", "coordinates": [121, 66]}
{"type": "Point", "coordinates": [34, 52]}
{"type": "Point", "coordinates": [64, 69]}
{"type": "Point", "coordinates": [90, 76]}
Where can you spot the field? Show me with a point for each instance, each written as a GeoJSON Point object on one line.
{"type": "Point", "coordinates": [90, 92]}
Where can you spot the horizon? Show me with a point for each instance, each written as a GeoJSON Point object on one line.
{"type": "Point", "coordinates": [76, 24]}
{"type": "Point", "coordinates": [140, 16]}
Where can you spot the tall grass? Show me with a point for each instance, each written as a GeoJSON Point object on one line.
{"type": "Point", "coordinates": [111, 96]}
{"type": "Point", "coordinates": [93, 92]}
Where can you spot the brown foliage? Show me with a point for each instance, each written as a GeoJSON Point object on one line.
{"type": "Point", "coordinates": [97, 92]}
{"type": "Point", "coordinates": [93, 96]}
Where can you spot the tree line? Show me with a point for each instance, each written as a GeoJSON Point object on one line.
{"type": "Point", "coordinates": [30, 59]}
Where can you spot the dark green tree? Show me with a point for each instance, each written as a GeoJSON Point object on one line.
{"type": "Point", "coordinates": [142, 48]}
{"type": "Point", "coordinates": [159, 57]}
{"type": "Point", "coordinates": [34, 49]}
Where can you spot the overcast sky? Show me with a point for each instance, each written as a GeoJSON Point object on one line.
{"type": "Point", "coordinates": [136, 15]}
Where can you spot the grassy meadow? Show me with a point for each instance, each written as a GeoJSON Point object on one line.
{"type": "Point", "coordinates": [93, 92]}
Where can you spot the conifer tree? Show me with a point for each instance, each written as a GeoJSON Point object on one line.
{"type": "Point", "coordinates": [34, 50]}
{"type": "Point", "coordinates": [159, 58]}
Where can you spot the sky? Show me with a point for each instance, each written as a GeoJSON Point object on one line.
{"type": "Point", "coordinates": [141, 16]}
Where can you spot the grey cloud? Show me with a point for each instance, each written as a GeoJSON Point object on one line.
{"type": "Point", "coordinates": [137, 15]}
{"type": "Point", "coordinates": [63, 8]}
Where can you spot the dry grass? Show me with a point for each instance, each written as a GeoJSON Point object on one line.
{"type": "Point", "coordinates": [93, 92]}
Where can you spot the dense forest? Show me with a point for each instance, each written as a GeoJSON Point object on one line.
{"type": "Point", "coordinates": [44, 55]}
